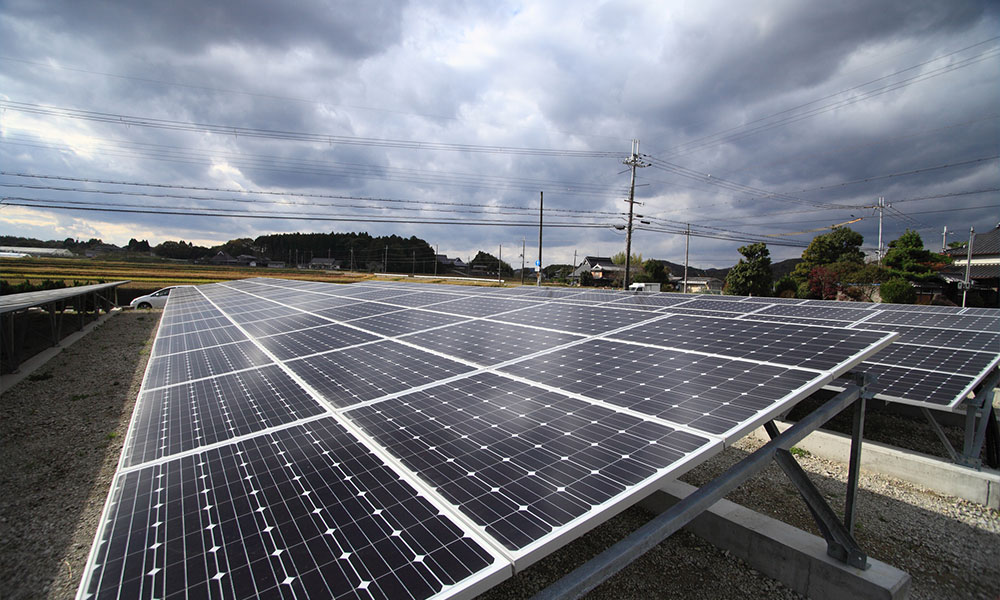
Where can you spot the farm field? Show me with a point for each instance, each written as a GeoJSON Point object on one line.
{"type": "Point", "coordinates": [149, 275]}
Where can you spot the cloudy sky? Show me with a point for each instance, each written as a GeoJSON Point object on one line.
{"type": "Point", "coordinates": [210, 121]}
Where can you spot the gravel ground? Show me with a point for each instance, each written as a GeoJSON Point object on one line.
{"type": "Point", "coordinates": [61, 433]}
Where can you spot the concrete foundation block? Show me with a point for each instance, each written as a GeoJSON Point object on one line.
{"type": "Point", "coordinates": [794, 557]}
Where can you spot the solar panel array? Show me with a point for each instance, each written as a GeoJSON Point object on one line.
{"type": "Point", "coordinates": [24, 300]}
{"type": "Point", "coordinates": [296, 439]}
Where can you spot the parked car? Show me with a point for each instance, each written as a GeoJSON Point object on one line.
{"type": "Point", "coordinates": [157, 299]}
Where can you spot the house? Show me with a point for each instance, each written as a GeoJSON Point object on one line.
{"type": "Point", "coordinates": [454, 266]}
{"type": "Point", "coordinates": [701, 285]}
{"type": "Point", "coordinates": [223, 258]}
{"type": "Point", "coordinates": [599, 267]}
{"type": "Point", "coordinates": [100, 249]}
{"type": "Point", "coordinates": [984, 268]}
{"type": "Point", "coordinates": [250, 260]}
{"type": "Point", "coordinates": [275, 264]}
{"type": "Point", "coordinates": [324, 263]}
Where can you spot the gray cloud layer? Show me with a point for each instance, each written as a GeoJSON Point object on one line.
{"type": "Point", "coordinates": [706, 87]}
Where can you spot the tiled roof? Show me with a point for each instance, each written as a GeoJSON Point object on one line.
{"type": "Point", "coordinates": [984, 244]}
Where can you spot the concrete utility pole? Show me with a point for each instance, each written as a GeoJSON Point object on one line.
{"type": "Point", "coordinates": [687, 246]}
{"type": "Point", "coordinates": [968, 264]}
{"type": "Point", "coordinates": [538, 265]}
{"type": "Point", "coordinates": [632, 161]}
{"type": "Point", "coordinates": [414, 262]}
{"type": "Point", "coordinates": [499, 264]}
{"type": "Point", "coordinates": [522, 260]}
{"type": "Point", "coordinates": [385, 261]}
{"type": "Point", "coordinates": [944, 239]}
{"type": "Point", "coordinates": [352, 258]}
{"type": "Point", "coordinates": [881, 208]}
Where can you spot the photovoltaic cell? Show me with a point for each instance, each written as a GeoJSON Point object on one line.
{"type": "Point", "coordinates": [183, 417]}
{"type": "Point", "coordinates": [192, 326]}
{"type": "Point", "coordinates": [346, 377]}
{"type": "Point", "coordinates": [651, 300]}
{"type": "Point", "coordinates": [719, 305]}
{"type": "Point", "coordinates": [968, 323]}
{"type": "Point", "coordinates": [312, 341]}
{"type": "Point", "coordinates": [303, 512]}
{"type": "Point", "coordinates": [285, 324]}
{"type": "Point", "coordinates": [356, 311]}
{"type": "Point", "coordinates": [918, 386]}
{"type": "Point", "coordinates": [420, 299]}
{"type": "Point", "coordinates": [198, 339]}
{"type": "Point", "coordinates": [945, 338]}
{"type": "Point", "coordinates": [710, 394]}
{"type": "Point", "coordinates": [799, 320]}
{"type": "Point", "coordinates": [697, 312]}
{"type": "Point", "coordinates": [478, 306]}
{"type": "Point", "coordinates": [796, 345]}
{"type": "Point", "coordinates": [488, 343]}
{"type": "Point", "coordinates": [819, 312]}
{"type": "Point", "coordinates": [519, 461]}
{"type": "Point", "coordinates": [588, 320]}
{"type": "Point", "coordinates": [934, 359]}
{"type": "Point", "coordinates": [406, 321]}
{"type": "Point", "coordinates": [178, 368]}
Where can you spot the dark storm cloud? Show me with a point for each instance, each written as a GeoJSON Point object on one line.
{"type": "Point", "coordinates": [586, 76]}
{"type": "Point", "coordinates": [346, 29]}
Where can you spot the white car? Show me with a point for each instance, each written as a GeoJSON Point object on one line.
{"type": "Point", "coordinates": [157, 299]}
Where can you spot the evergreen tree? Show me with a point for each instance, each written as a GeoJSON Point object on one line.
{"type": "Point", "coordinates": [841, 246]}
{"type": "Point", "coordinates": [752, 276]}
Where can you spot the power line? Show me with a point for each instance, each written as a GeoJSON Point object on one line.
{"type": "Point", "coordinates": [273, 134]}
{"type": "Point", "coordinates": [167, 210]}
{"type": "Point", "coordinates": [267, 193]}
{"type": "Point", "coordinates": [321, 167]}
{"type": "Point", "coordinates": [276, 96]}
{"type": "Point", "coordinates": [721, 137]}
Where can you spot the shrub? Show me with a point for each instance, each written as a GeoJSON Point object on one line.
{"type": "Point", "coordinates": [898, 291]}
{"type": "Point", "coordinates": [785, 285]}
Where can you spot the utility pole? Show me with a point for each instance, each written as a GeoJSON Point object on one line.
{"type": "Point", "coordinates": [385, 261]}
{"type": "Point", "coordinates": [436, 247]}
{"type": "Point", "coordinates": [522, 260]}
{"type": "Point", "coordinates": [881, 208]}
{"type": "Point", "coordinates": [538, 265]}
{"type": "Point", "coordinates": [687, 247]}
{"type": "Point", "coordinates": [632, 161]}
{"type": "Point", "coordinates": [944, 239]}
{"type": "Point", "coordinates": [352, 258]}
{"type": "Point", "coordinates": [414, 262]}
{"type": "Point", "coordinates": [499, 263]}
{"type": "Point", "coordinates": [968, 265]}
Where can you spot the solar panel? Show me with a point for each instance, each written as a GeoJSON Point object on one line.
{"type": "Point", "coordinates": [192, 415]}
{"type": "Point", "coordinates": [314, 340]}
{"type": "Point", "coordinates": [305, 511]}
{"type": "Point", "coordinates": [524, 464]}
{"type": "Point", "coordinates": [587, 320]}
{"type": "Point", "coordinates": [719, 305]}
{"type": "Point", "coordinates": [294, 439]}
{"type": "Point", "coordinates": [479, 306]}
{"type": "Point", "coordinates": [489, 343]}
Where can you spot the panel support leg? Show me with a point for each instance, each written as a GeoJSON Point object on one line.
{"type": "Point", "coordinates": [854, 467]}
{"type": "Point", "coordinates": [600, 568]}
{"type": "Point", "coordinates": [936, 428]}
